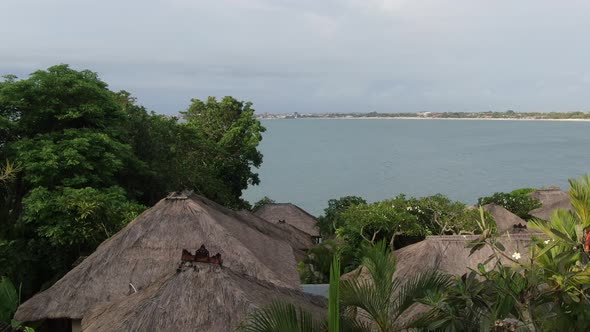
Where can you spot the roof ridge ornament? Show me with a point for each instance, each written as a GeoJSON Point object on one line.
{"type": "Point", "coordinates": [201, 256]}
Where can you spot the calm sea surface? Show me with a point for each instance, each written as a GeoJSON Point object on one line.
{"type": "Point", "coordinates": [309, 161]}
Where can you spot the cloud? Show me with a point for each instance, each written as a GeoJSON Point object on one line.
{"type": "Point", "coordinates": [306, 55]}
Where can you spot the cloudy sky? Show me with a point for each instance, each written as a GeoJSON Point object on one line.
{"type": "Point", "coordinates": [315, 55]}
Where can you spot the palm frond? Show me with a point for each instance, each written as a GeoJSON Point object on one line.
{"type": "Point", "coordinates": [579, 198]}
{"type": "Point", "coordinates": [417, 287]}
{"type": "Point", "coordinates": [281, 317]}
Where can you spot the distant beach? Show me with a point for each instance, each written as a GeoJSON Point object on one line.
{"type": "Point", "coordinates": [423, 118]}
{"type": "Point", "coordinates": [469, 119]}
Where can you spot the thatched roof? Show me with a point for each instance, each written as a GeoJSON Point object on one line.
{"type": "Point", "coordinates": [290, 214]}
{"type": "Point", "coordinates": [299, 240]}
{"type": "Point", "coordinates": [148, 249]}
{"type": "Point", "coordinates": [449, 253]}
{"type": "Point", "coordinates": [552, 199]}
{"type": "Point", "coordinates": [200, 297]}
{"type": "Point", "coordinates": [506, 221]}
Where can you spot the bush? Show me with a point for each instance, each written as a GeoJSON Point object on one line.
{"type": "Point", "coordinates": [518, 201]}
{"type": "Point", "coordinates": [332, 220]}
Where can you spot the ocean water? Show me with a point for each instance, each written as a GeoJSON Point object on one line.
{"type": "Point", "coordinates": [309, 161]}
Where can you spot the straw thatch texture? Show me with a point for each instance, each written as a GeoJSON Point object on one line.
{"type": "Point", "coordinates": [300, 241]}
{"type": "Point", "coordinates": [552, 199]}
{"type": "Point", "coordinates": [290, 214]}
{"type": "Point", "coordinates": [506, 220]}
{"type": "Point", "coordinates": [200, 297]}
{"type": "Point", "coordinates": [149, 248]}
{"type": "Point", "coordinates": [448, 253]}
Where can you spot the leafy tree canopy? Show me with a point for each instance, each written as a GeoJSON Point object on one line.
{"type": "Point", "coordinates": [231, 126]}
{"type": "Point", "coordinates": [79, 161]}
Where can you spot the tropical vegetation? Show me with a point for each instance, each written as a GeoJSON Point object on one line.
{"type": "Point", "coordinates": [78, 161]}
{"type": "Point", "coordinates": [546, 288]}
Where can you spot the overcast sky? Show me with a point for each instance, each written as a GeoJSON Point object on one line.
{"type": "Point", "coordinates": [315, 55]}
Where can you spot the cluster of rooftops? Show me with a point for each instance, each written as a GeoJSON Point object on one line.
{"type": "Point", "coordinates": [133, 281]}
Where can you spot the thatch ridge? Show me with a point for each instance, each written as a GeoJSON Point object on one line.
{"type": "Point", "coordinates": [200, 297]}
{"type": "Point", "coordinates": [149, 247]}
{"type": "Point", "coordinates": [506, 221]}
{"type": "Point", "coordinates": [291, 214]}
{"type": "Point", "coordinates": [300, 241]}
{"type": "Point", "coordinates": [551, 200]}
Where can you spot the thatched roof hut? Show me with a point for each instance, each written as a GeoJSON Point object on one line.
{"type": "Point", "coordinates": [300, 241]}
{"type": "Point", "coordinates": [199, 297]}
{"type": "Point", "coordinates": [506, 221]}
{"type": "Point", "coordinates": [147, 249]}
{"type": "Point", "coordinates": [449, 253]}
{"type": "Point", "coordinates": [290, 214]}
{"type": "Point", "coordinates": [552, 199]}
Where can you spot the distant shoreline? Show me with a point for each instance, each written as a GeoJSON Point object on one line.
{"type": "Point", "coordinates": [425, 118]}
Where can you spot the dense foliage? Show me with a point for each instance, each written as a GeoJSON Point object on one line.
{"type": "Point", "coordinates": [399, 221]}
{"type": "Point", "coordinates": [547, 291]}
{"type": "Point", "coordinates": [82, 161]}
{"type": "Point", "coordinates": [518, 201]}
{"type": "Point", "coordinates": [331, 220]}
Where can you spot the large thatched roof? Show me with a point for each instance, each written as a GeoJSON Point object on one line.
{"type": "Point", "coordinates": [290, 214]}
{"type": "Point", "coordinates": [506, 221]}
{"type": "Point", "coordinates": [298, 239]}
{"type": "Point", "coordinates": [552, 199]}
{"type": "Point", "coordinates": [148, 249]}
{"type": "Point", "coordinates": [200, 297]}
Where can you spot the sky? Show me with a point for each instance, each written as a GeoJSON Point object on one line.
{"type": "Point", "coordinates": [313, 56]}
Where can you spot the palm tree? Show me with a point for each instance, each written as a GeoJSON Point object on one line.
{"type": "Point", "coordinates": [373, 304]}
{"type": "Point", "coordinates": [380, 301]}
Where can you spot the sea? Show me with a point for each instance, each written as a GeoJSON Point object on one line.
{"type": "Point", "coordinates": [310, 161]}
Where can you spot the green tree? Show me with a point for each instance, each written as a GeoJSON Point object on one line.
{"type": "Point", "coordinates": [231, 126]}
{"type": "Point", "coordinates": [331, 221]}
{"type": "Point", "coordinates": [262, 202]}
{"type": "Point", "coordinates": [371, 223]}
{"type": "Point", "coordinates": [175, 156]}
{"type": "Point", "coordinates": [90, 159]}
{"type": "Point", "coordinates": [65, 129]}
{"type": "Point", "coordinates": [440, 215]}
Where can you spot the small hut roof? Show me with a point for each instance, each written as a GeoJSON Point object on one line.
{"type": "Point", "coordinates": [506, 220]}
{"type": "Point", "coordinates": [298, 239]}
{"type": "Point", "coordinates": [290, 214]}
{"type": "Point", "coordinates": [448, 253]}
{"type": "Point", "coordinates": [148, 248]}
{"type": "Point", "coordinates": [552, 199]}
{"type": "Point", "coordinates": [200, 297]}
